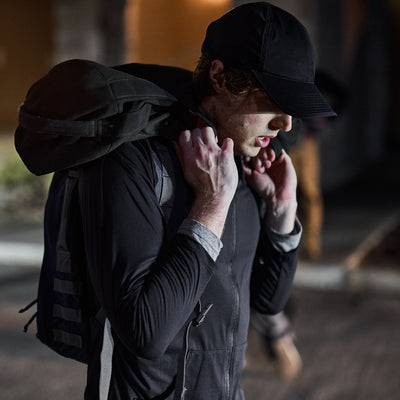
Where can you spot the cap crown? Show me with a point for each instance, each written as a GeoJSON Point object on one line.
{"type": "Point", "coordinates": [262, 37]}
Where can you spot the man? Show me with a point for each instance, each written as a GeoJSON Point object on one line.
{"type": "Point", "coordinates": [176, 291]}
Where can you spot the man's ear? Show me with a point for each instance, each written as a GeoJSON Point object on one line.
{"type": "Point", "coordinates": [217, 76]}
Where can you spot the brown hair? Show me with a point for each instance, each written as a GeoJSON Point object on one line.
{"type": "Point", "coordinates": [237, 81]}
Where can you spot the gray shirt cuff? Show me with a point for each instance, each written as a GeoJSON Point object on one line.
{"type": "Point", "coordinates": [285, 242]}
{"type": "Point", "coordinates": [201, 234]}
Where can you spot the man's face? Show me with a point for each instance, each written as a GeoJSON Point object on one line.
{"type": "Point", "coordinates": [251, 120]}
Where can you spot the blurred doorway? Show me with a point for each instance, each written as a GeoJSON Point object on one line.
{"type": "Point", "coordinates": [169, 32]}
{"type": "Point", "coordinates": [25, 52]}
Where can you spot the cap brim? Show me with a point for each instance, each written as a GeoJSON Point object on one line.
{"type": "Point", "coordinates": [298, 99]}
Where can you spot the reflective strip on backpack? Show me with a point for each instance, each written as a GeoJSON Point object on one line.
{"type": "Point", "coordinates": [106, 361]}
{"type": "Point", "coordinates": [67, 287]}
{"type": "Point", "coordinates": [67, 313]}
{"type": "Point", "coordinates": [71, 339]}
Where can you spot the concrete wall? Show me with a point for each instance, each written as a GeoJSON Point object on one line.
{"type": "Point", "coordinates": [352, 46]}
{"type": "Point", "coordinates": [90, 29]}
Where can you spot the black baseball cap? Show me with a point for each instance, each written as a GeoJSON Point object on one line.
{"type": "Point", "coordinates": [276, 48]}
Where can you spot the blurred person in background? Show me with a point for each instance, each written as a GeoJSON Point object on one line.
{"type": "Point", "coordinates": [305, 156]}
{"type": "Point", "coordinates": [277, 333]}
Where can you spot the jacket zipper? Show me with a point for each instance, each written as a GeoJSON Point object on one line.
{"type": "Point", "coordinates": [235, 312]}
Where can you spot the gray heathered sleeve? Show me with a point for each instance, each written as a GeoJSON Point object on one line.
{"type": "Point", "coordinates": [199, 232]}
{"type": "Point", "coordinates": [285, 242]}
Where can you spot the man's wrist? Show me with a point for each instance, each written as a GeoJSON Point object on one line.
{"type": "Point", "coordinates": [285, 242]}
{"type": "Point", "coordinates": [204, 236]}
{"type": "Point", "coordinates": [281, 217]}
{"type": "Point", "coordinates": [211, 214]}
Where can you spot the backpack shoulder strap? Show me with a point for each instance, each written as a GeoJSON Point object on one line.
{"type": "Point", "coordinates": [165, 173]}
{"type": "Point", "coordinates": [71, 182]}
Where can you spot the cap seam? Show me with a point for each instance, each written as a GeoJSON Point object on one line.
{"type": "Point", "coordinates": [282, 77]}
{"type": "Point", "coordinates": [264, 48]}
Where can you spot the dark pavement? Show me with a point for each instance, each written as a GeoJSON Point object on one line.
{"type": "Point", "coordinates": [350, 348]}
{"type": "Point", "coordinates": [345, 309]}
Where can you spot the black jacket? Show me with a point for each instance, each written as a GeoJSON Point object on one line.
{"type": "Point", "coordinates": [153, 281]}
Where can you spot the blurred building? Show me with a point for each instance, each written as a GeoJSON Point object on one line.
{"type": "Point", "coordinates": [356, 41]}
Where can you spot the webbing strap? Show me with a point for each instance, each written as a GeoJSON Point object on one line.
{"type": "Point", "coordinates": [50, 126]}
{"type": "Point", "coordinates": [63, 260]}
{"type": "Point", "coordinates": [165, 171]}
{"type": "Point", "coordinates": [67, 313]}
{"type": "Point", "coordinates": [63, 254]}
{"type": "Point", "coordinates": [67, 287]}
{"type": "Point", "coordinates": [71, 339]}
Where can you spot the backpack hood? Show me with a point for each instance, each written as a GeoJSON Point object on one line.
{"type": "Point", "coordinates": [81, 110]}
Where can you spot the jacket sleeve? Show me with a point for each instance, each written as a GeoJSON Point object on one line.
{"type": "Point", "coordinates": [147, 290]}
{"type": "Point", "coordinates": [273, 270]}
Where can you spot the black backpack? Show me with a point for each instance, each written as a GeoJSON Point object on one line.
{"type": "Point", "coordinates": [67, 315]}
{"type": "Point", "coordinates": [76, 113]}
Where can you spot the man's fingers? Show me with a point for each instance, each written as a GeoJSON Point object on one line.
{"type": "Point", "coordinates": [227, 146]}
{"type": "Point", "coordinates": [208, 136]}
{"type": "Point", "coordinates": [196, 137]}
{"type": "Point", "coordinates": [202, 143]}
{"type": "Point", "coordinates": [271, 154]}
{"type": "Point", "coordinates": [184, 138]}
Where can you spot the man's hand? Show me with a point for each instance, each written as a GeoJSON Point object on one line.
{"type": "Point", "coordinates": [211, 172]}
{"type": "Point", "coordinates": [275, 181]}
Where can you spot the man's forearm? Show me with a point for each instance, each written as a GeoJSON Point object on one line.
{"type": "Point", "coordinates": [203, 235]}
{"type": "Point", "coordinates": [281, 216]}
{"type": "Point", "coordinates": [211, 214]}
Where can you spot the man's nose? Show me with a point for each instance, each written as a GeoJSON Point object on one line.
{"type": "Point", "coordinates": [282, 122]}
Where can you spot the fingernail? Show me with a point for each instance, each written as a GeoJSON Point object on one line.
{"type": "Point", "coordinates": [186, 134]}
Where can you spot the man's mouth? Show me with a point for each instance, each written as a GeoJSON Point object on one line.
{"type": "Point", "coordinates": [262, 141]}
